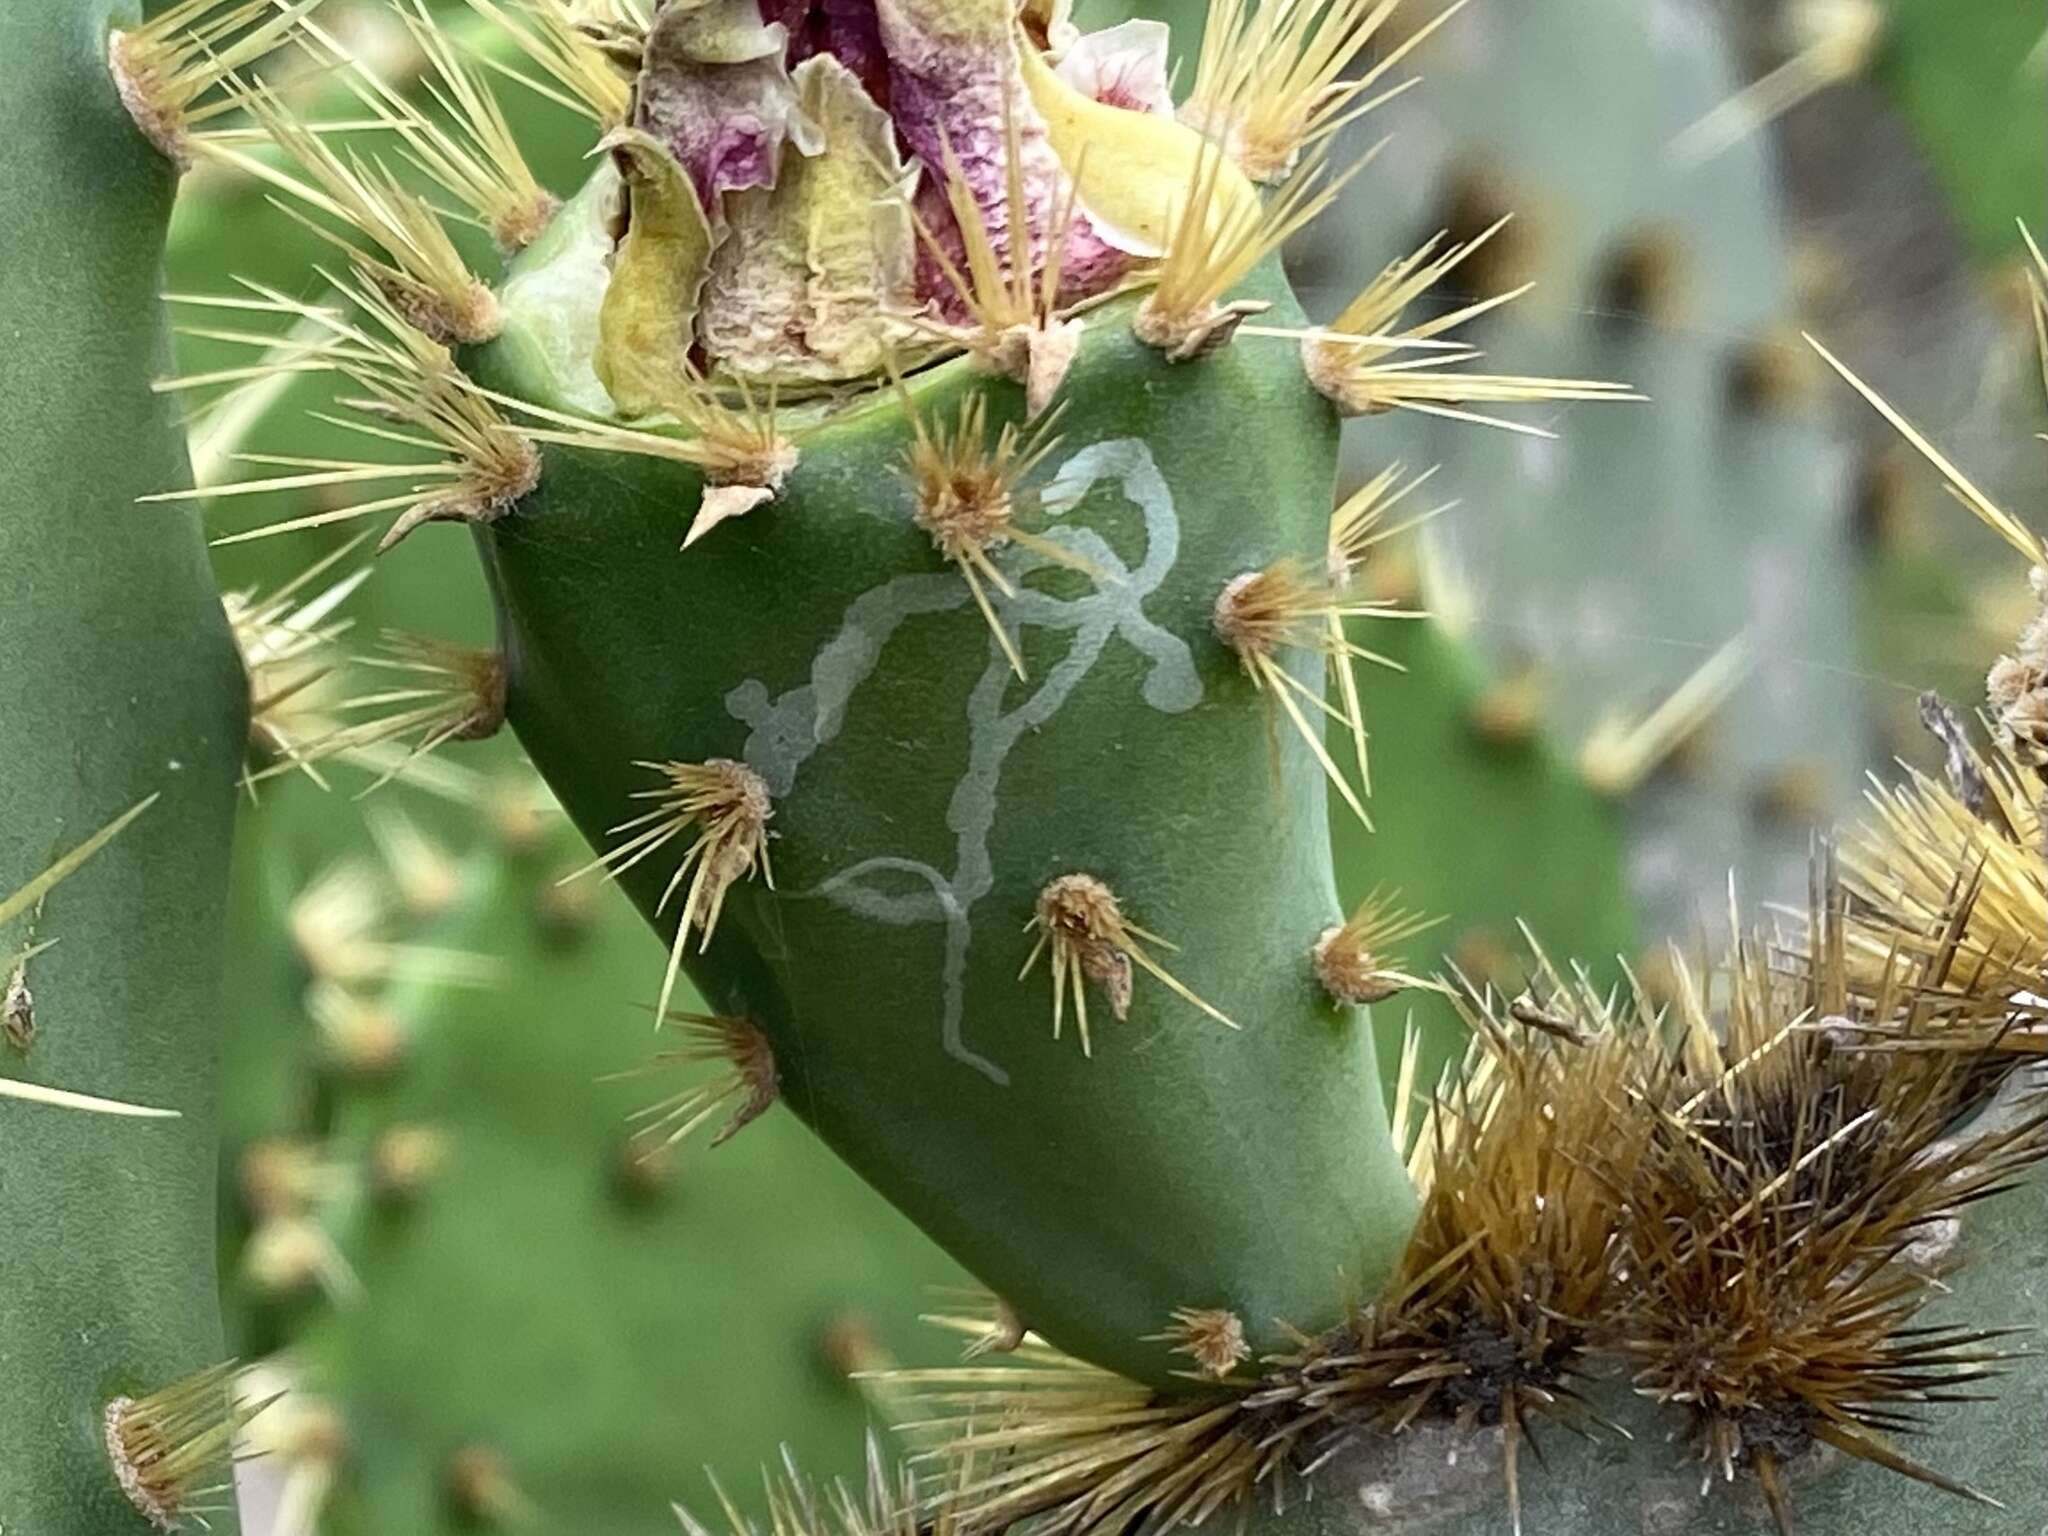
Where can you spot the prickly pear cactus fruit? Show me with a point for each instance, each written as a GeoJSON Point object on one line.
{"type": "Point", "coordinates": [972, 747]}
{"type": "Point", "coordinates": [983, 364]}
{"type": "Point", "coordinates": [1694, 671]}
{"type": "Point", "coordinates": [125, 713]}
{"type": "Point", "coordinates": [885, 960]}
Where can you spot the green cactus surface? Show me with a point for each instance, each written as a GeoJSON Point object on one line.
{"type": "Point", "coordinates": [885, 964]}
{"type": "Point", "coordinates": [1453, 797]}
{"type": "Point", "coordinates": [600, 1317]}
{"type": "Point", "coordinates": [904, 479]}
{"type": "Point", "coordinates": [120, 683]}
{"type": "Point", "coordinates": [1608, 568]}
{"type": "Point", "coordinates": [1963, 75]}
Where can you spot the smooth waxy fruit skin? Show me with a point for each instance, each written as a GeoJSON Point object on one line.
{"type": "Point", "coordinates": [118, 681]}
{"type": "Point", "coordinates": [824, 642]}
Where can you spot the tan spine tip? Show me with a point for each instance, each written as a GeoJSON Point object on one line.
{"type": "Point", "coordinates": [751, 1083]}
{"type": "Point", "coordinates": [482, 1491]}
{"type": "Point", "coordinates": [491, 487]}
{"type": "Point", "coordinates": [1005, 1335]}
{"type": "Point", "coordinates": [464, 315]}
{"type": "Point", "coordinates": [756, 461]}
{"type": "Point", "coordinates": [1049, 354]}
{"type": "Point", "coordinates": [728, 807]}
{"type": "Point", "coordinates": [1084, 924]}
{"type": "Point", "coordinates": [517, 228]}
{"type": "Point", "coordinates": [171, 1448]}
{"type": "Point", "coordinates": [490, 685]}
{"type": "Point", "coordinates": [1356, 961]}
{"type": "Point", "coordinates": [130, 1446]}
{"type": "Point", "coordinates": [404, 1160]}
{"type": "Point", "coordinates": [721, 504]}
{"type": "Point", "coordinates": [760, 1079]}
{"type": "Point", "coordinates": [1080, 923]}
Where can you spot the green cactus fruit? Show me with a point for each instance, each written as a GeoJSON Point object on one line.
{"type": "Point", "coordinates": [885, 962]}
{"type": "Point", "coordinates": [120, 685]}
{"type": "Point", "coordinates": [1179, 505]}
{"type": "Point", "coordinates": [774, 233]}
